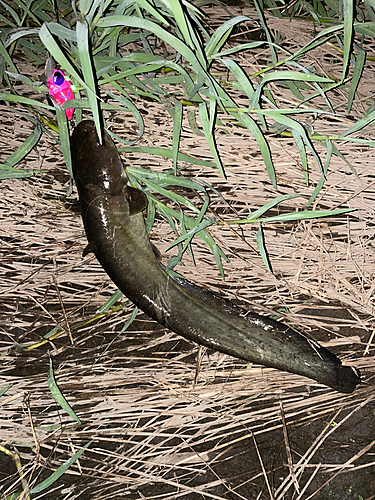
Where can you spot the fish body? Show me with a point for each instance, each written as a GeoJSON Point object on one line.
{"type": "Point", "coordinates": [116, 233]}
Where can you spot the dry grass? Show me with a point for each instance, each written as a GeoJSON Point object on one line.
{"type": "Point", "coordinates": [159, 428]}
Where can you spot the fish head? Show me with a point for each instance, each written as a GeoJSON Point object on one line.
{"type": "Point", "coordinates": [96, 166]}
{"type": "Point", "coordinates": [99, 172]}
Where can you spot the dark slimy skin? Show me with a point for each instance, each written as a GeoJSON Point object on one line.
{"type": "Point", "coordinates": [115, 229]}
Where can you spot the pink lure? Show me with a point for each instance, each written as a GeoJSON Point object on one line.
{"type": "Point", "coordinates": [60, 88]}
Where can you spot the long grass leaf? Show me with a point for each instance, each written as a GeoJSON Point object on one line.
{"type": "Point", "coordinates": [259, 8]}
{"type": "Point", "coordinates": [238, 48]}
{"type": "Point", "coordinates": [367, 29]}
{"type": "Point", "coordinates": [16, 173]}
{"type": "Point", "coordinates": [12, 12]}
{"type": "Point", "coordinates": [172, 40]}
{"type": "Point", "coordinates": [58, 55]}
{"type": "Point", "coordinates": [5, 96]}
{"type": "Point", "coordinates": [323, 177]}
{"type": "Point", "coordinates": [262, 248]}
{"type": "Point", "coordinates": [4, 53]}
{"type": "Point", "coordinates": [348, 13]}
{"type": "Point", "coordinates": [261, 211]}
{"type": "Point", "coordinates": [165, 179]}
{"type": "Point", "coordinates": [172, 196]}
{"type": "Point", "coordinates": [357, 73]}
{"type": "Point", "coordinates": [154, 12]}
{"type": "Point", "coordinates": [62, 122]}
{"type": "Point", "coordinates": [204, 235]}
{"type": "Point", "coordinates": [58, 396]}
{"type": "Point", "coordinates": [5, 389]}
{"type": "Point", "coordinates": [307, 214]}
{"type": "Point", "coordinates": [177, 128]}
{"type": "Point", "coordinates": [25, 148]}
{"type": "Point", "coordinates": [241, 77]}
{"type": "Point", "coordinates": [221, 35]}
{"type": "Point", "coordinates": [302, 152]}
{"type": "Point", "coordinates": [294, 76]}
{"type": "Point", "coordinates": [59, 472]}
{"type": "Point", "coordinates": [110, 302]}
{"type": "Point", "coordinates": [207, 120]}
{"type": "Point", "coordinates": [199, 227]}
{"type": "Point", "coordinates": [88, 74]}
{"type": "Point", "coordinates": [360, 124]}
{"type": "Point", "coordinates": [250, 123]}
{"type": "Point", "coordinates": [293, 125]}
{"type": "Point", "coordinates": [167, 153]}
{"type": "Point", "coordinates": [133, 109]}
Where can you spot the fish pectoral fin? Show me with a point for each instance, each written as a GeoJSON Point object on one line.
{"type": "Point", "coordinates": [136, 199]}
{"type": "Point", "coordinates": [90, 248]}
{"type": "Point", "coordinates": [156, 251]}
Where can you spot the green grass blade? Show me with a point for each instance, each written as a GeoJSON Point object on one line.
{"type": "Point", "coordinates": [151, 213]}
{"type": "Point", "coordinates": [295, 126]}
{"type": "Point", "coordinates": [357, 73]}
{"type": "Point", "coordinates": [164, 179]}
{"type": "Point", "coordinates": [182, 22]}
{"type": "Point", "coordinates": [294, 216]}
{"type": "Point", "coordinates": [307, 214]}
{"type": "Point", "coordinates": [57, 394]}
{"type": "Point", "coordinates": [348, 13]}
{"type": "Point", "coordinates": [5, 389]}
{"type": "Point", "coordinates": [58, 55]}
{"type": "Point", "coordinates": [241, 77]}
{"type": "Point", "coordinates": [15, 173]}
{"type": "Point", "coordinates": [62, 123]}
{"type": "Point", "coordinates": [177, 128]}
{"type": "Point", "coordinates": [59, 472]}
{"type": "Point", "coordinates": [4, 53]}
{"type": "Point", "coordinates": [218, 256]}
{"type": "Point", "coordinates": [128, 322]}
{"type": "Point", "coordinates": [190, 223]}
{"type": "Point", "coordinates": [27, 12]}
{"type": "Point", "coordinates": [262, 248]}
{"type": "Point", "coordinates": [367, 29]}
{"type": "Point", "coordinates": [259, 8]}
{"type": "Point", "coordinates": [261, 211]}
{"type": "Point", "coordinates": [87, 70]}
{"type": "Point", "coordinates": [167, 153]}
{"type": "Point", "coordinates": [133, 109]}
{"type": "Point", "coordinates": [173, 41]}
{"type": "Point", "coordinates": [250, 123]}
{"type": "Point", "coordinates": [110, 302]}
{"type": "Point", "coordinates": [200, 224]}
{"type": "Point", "coordinates": [302, 152]}
{"type": "Point", "coordinates": [360, 124]}
{"type": "Point", "coordinates": [189, 235]}
{"type": "Point", "coordinates": [4, 96]}
{"type": "Point", "coordinates": [238, 48]}
{"type": "Point", "coordinates": [221, 35]}
{"type": "Point", "coordinates": [154, 12]}
{"type": "Point", "coordinates": [172, 196]}
{"type": "Point", "coordinates": [323, 177]}
{"type": "Point", "coordinates": [207, 121]}
{"type": "Point", "coordinates": [63, 32]}
{"type": "Point", "coordinates": [294, 76]}
{"type": "Point", "coordinates": [24, 149]}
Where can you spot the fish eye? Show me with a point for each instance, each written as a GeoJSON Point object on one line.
{"type": "Point", "coordinates": [58, 78]}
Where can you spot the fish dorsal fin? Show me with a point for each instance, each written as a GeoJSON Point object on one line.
{"type": "Point", "coordinates": [136, 199]}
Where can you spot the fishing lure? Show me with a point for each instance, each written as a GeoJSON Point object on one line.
{"type": "Point", "coordinates": [60, 87]}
